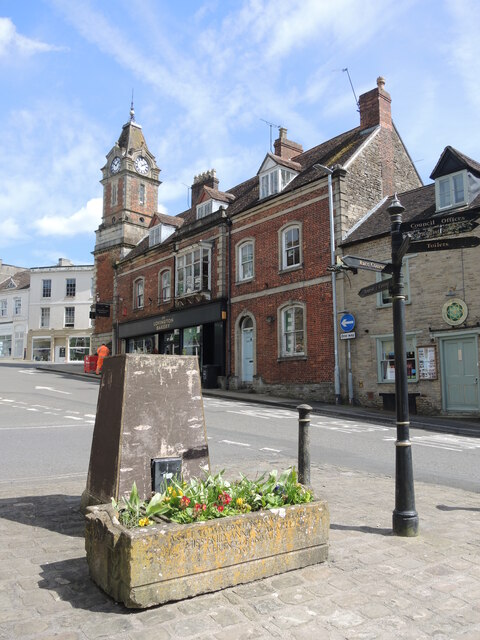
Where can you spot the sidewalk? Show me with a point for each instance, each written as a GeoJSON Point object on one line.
{"type": "Point", "coordinates": [445, 424]}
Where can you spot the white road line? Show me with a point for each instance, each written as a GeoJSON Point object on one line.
{"type": "Point", "coordinates": [47, 426]}
{"type": "Point", "coordinates": [39, 479]}
{"type": "Point", "coordinates": [67, 393]}
{"type": "Point", "coordinates": [268, 449]}
{"type": "Point", "coordinates": [238, 444]}
{"type": "Point", "coordinates": [72, 418]}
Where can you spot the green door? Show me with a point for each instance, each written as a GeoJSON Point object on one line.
{"type": "Point", "coordinates": [460, 373]}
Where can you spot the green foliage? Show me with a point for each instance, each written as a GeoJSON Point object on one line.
{"type": "Point", "coordinates": [213, 497]}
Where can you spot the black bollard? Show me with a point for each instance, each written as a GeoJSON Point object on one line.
{"type": "Point", "coordinates": [304, 443]}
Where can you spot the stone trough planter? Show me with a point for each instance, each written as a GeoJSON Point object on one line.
{"type": "Point", "coordinates": [166, 561]}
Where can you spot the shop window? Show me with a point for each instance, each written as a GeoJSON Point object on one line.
{"type": "Point", "coordinates": [164, 282]}
{"type": "Point", "coordinates": [193, 272]}
{"type": "Point", "coordinates": [45, 317]}
{"type": "Point", "coordinates": [293, 331]}
{"type": "Point", "coordinates": [78, 348]}
{"type": "Point", "coordinates": [138, 293]}
{"type": "Point", "coordinates": [71, 286]}
{"type": "Point", "coordinates": [41, 349]}
{"type": "Point", "coordinates": [5, 346]}
{"type": "Point", "coordinates": [386, 359]}
{"type": "Point", "coordinates": [69, 317]}
{"type": "Point", "coordinates": [46, 288]}
{"type": "Point", "coordinates": [291, 247]}
{"type": "Point", "coordinates": [192, 337]}
{"type": "Point", "coordinates": [245, 261]}
{"type": "Point", "coordinates": [143, 344]}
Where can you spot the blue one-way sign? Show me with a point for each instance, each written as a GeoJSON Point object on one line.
{"type": "Point", "coordinates": [347, 322]}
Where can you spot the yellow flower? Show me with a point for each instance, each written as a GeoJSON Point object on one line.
{"type": "Point", "coordinates": [239, 502]}
{"type": "Point", "coordinates": [174, 494]}
{"type": "Point", "coordinates": [169, 489]}
{"type": "Point", "coordinates": [143, 522]}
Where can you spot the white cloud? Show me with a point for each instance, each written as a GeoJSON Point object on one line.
{"type": "Point", "coordinates": [9, 232]}
{"type": "Point", "coordinates": [13, 43]}
{"type": "Point", "coordinates": [85, 220]}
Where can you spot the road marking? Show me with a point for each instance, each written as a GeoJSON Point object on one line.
{"type": "Point", "coordinates": [447, 442]}
{"type": "Point", "coordinates": [349, 427]}
{"type": "Point", "coordinates": [273, 450]}
{"type": "Point", "coordinates": [47, 426]}
{"type": "Point", "coordinates": [67, 393]}
{"type": "Point", "coordinates": [29, 372]}
{"type": "Point", "coordinates": [44, 478]}
{"type": "Point", "coordinates": [238, 444]}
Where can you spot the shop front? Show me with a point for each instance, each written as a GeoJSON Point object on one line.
{"type": "Point", "coordinates": [198, 331]}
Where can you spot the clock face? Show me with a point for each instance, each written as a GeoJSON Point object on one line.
{"type": "Point", "coordinates": [141, 165]}
{"type": "Point", "coordinates": [115, 165]}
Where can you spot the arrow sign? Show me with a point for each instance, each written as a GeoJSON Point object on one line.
{"type": "Point", "coordinates": [402, 250]}
{"type": "Point", "coordinates": [365, 263]}
{"type": "Point", "coordinates": [444, 245]}
{"type": "Point", "coordinates": [440, 221]}
{"type": "Point", "coordinates": [347, 322]}
{"type": "Point", "coordinates": [376, 287]}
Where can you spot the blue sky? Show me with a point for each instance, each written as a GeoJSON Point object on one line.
{"type": "Point", "coordinates": [205, 76]}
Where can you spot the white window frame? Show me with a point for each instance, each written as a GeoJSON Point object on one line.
{"type": "Point", "coordinates": [244, 274]}
{"type": "Point", "coordinates": [275, 180]}
{"type": "Point", "coordinates": [142, 194]}
{"type": "Point", "coordinates": [386, 360]}
{"type": "Point", "coordinates": [69, 317]}
{"type": "Point", "coordinates": [453, 197]}
{"type": "Point", "coordinates": [164, 285]}
{"type": "Point", "coordinates": [44, 317]}
{"type": "Point", "coordinates": [190, 276]}
{"type": "Point", "coordinates": [17, 306]}
{"type": "Point", "coordinates": [155, 235]}
{"type": "Point", "coordinates": [293, 341]}
{"type": "Point", "coordinates": [3, 307]}
{"type": "Point", "coordinates": [384, 300]}
{"type": "Point", "coordinates": [139, 293]}
{"type": "Point", "coordinates": [286, 251]}
{"type": "Point", "coordinates": [70, 286]}
{"type": "Point", "coordinates": [47, 288]}
{"type": "Point", "coordinates": [206, 208]}
{"type": "Point", "coordinates": [83, 349]}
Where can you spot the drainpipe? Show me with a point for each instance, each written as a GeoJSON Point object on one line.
{"type": "Point", "coordinates": [329, 172]}
{"type": "Point", "coordinates": [228, 345]}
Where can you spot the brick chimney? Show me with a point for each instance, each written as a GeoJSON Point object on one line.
{"type": "Point", "coordinates": [285, 148]}
{"type": "Point", "coordinates": [206, 179]}
{"type": "Point", "coordinates": [375, 107]}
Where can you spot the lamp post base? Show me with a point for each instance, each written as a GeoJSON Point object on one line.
{"type": "Point", "coordinates": [405, 523]}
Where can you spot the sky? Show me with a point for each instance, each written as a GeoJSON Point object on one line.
{"type": "Point", "coordinates": [212, 81]}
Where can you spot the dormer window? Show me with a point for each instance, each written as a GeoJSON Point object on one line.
{"type": "Point", "coordinates": [159, 233]}
{"type": "Point", "coordinates": [208, 207]}
{"type": "Point", "coordinates": [275, 181]}
{"type": "Point", "coordinates": [451, 190]}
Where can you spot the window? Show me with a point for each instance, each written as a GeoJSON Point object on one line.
{"type": "Point", "coordinates": [141, 194]}
{"type": "Point", "coordinates": [17, 306]}
{"type": "Point", "coordinates": [69, 317]}
{"type": "Point", "coordinates": [193, 272]}
{"type": "Point", "coordinates": [245, 261]}
{"type": "Point", "coordinates": [155, 235]}
{"type": "Point", "coordinates": [450, 191]}
{"type": "Point", "coordinates": [114, 194]}
{"type": "Point", "coordinates": [384, 298]}
{"type": "Point", "coordinates": [41, 349]}
{"type": "Point", "coordinates": [78, 348]}
{"type": "Point", "coordinates": [3, 307]}
{"type": "Point", "coordinates": [204, 209]}
{"type": "Point", "coordinates": [386, 359]}
{"type": "Point", "coordinates": [293, 331]}
{"type": "Point", "coordinates": [275, 181]}
{"type": "Point", "coordinates": [138, 294]}
{"type": "Point", "coordinates": [46, 288]}
{"type": "Point", "coordinates": [291, 254]}
{"type": "Point", "coordinates": [71, 287]}
{"type": "Point", "coordinates": [164, 292]}
{"type": "Point", "coordinates": [45, 317]}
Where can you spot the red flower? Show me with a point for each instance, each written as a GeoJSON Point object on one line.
{"type": "Point", "coordinates": [225, 498]}
{"type": "Point", "coordinates": [220, 507]}
{"type": "Point", "coordinates": [184, 502]}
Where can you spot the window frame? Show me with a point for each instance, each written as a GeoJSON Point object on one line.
{"type": "Point", "coordinates": [46, 288]}
{"type": "Point", "coordinates": [44, 317]}
{"type": "Point", "coordinates": [283, 249]}
{"type": "Point", "coordinates": [246, 242]}
{"type": "Point", "coordinates": [450, 178]}
{"type": "Point", "coordinates": [185, 270]}
{"type": "Point", "coordinates": [381, 303]}
{"type": "Point", "coordinates": [17, 306]}
{"type": "Point", "coordinates": [3, 307]}
{"type": "Point", "coordinates": [142, 194]}
{"type": "Point", "coordinates": [274, 181]}
{"type": "Point", "coordinates": [162, 287]}
{"type": "Point", "coordinates": [382, 378]}
{"type": "Point", "coordinates": [284, 351]}
{"type": "Point", "coordinates": [70, 287]}
{"type": "Point", "coordinates": [70, 313]}
{"type": "Point", "coordinates": [139, 293]}
{"type": "Point", "coordinates": [114, 194]}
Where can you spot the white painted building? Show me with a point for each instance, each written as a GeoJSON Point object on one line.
{"type": "Point", "coordinates": [59, 325]}
{"type": "Point", "coordinates": [14, 298]}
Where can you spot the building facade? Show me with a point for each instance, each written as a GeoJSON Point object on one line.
{"type": "Point", "coordinates": [442, 286]}
{"type": "Point", "coordinates": [14, 300]}
{"type": "Point", "coordinates": [59, 325]}
{"type": "Point", "coordinates": [242, 278]}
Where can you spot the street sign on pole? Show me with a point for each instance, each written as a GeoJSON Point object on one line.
{"type": "Point", "coordinates": [402, 250]}
{"type": "Point", "coordinates": [440, 221]}
{"type": "Point", "coordinates": [347, 322]}
{"type": "Point", "coordinates": [443, 245]}
{"type": "Point", "coordinates": [356, 262]}
{"type": "Point", "coordinates": [376, 287]}
{"type": "Point", "coordinates": [347, 336]}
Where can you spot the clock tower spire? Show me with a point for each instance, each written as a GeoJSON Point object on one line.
{"type": "Point", "coordinates": [130, 180]}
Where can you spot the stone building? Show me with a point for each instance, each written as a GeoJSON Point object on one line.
{"type": "Point", "coordinates": [14, 298]}
{"type": "Point", "coordinates": [443, 295]}
{"type": "Point", "coordinates": [241, 278]}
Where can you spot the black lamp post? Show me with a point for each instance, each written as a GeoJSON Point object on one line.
{"type": "Point", "coordinates": [405, 517]}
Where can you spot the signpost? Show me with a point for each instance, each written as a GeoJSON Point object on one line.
{"type": "Point", "coordinates": [347, 322]}
{"type": "Point", "coordinates": [467, 217]}
{"type": "Point", "coordinates": [443, 245]}
{"type": "Point", "coordinates": [355, 262]}
{"type": "Point", "coordinates": [376, 287]}
{"type": "Point", "coordinates": [102, 310]}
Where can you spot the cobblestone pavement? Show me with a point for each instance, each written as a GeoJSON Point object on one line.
{"type": "Point", "coordinates": [374, 585]}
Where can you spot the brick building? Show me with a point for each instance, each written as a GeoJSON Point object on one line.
{"type": "Point", "coordinates": [241, 278]}
{"type": "Point", "coordinates": [442, 310]}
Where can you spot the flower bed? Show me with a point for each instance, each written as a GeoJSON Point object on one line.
{"type": "Point", "coordinates": [224, 534]}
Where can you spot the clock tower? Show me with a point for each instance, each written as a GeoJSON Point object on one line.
{"type": "Point", "coordinates": [130, 200]}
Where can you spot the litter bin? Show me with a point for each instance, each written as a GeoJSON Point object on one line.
{"type": "Point", "coordinates": [90, 364]}
{"type": "Point", "coordinates": [210, 373]}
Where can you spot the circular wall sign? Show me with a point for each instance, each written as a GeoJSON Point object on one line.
{"type": "Point", "coordinates": [455, 311]}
